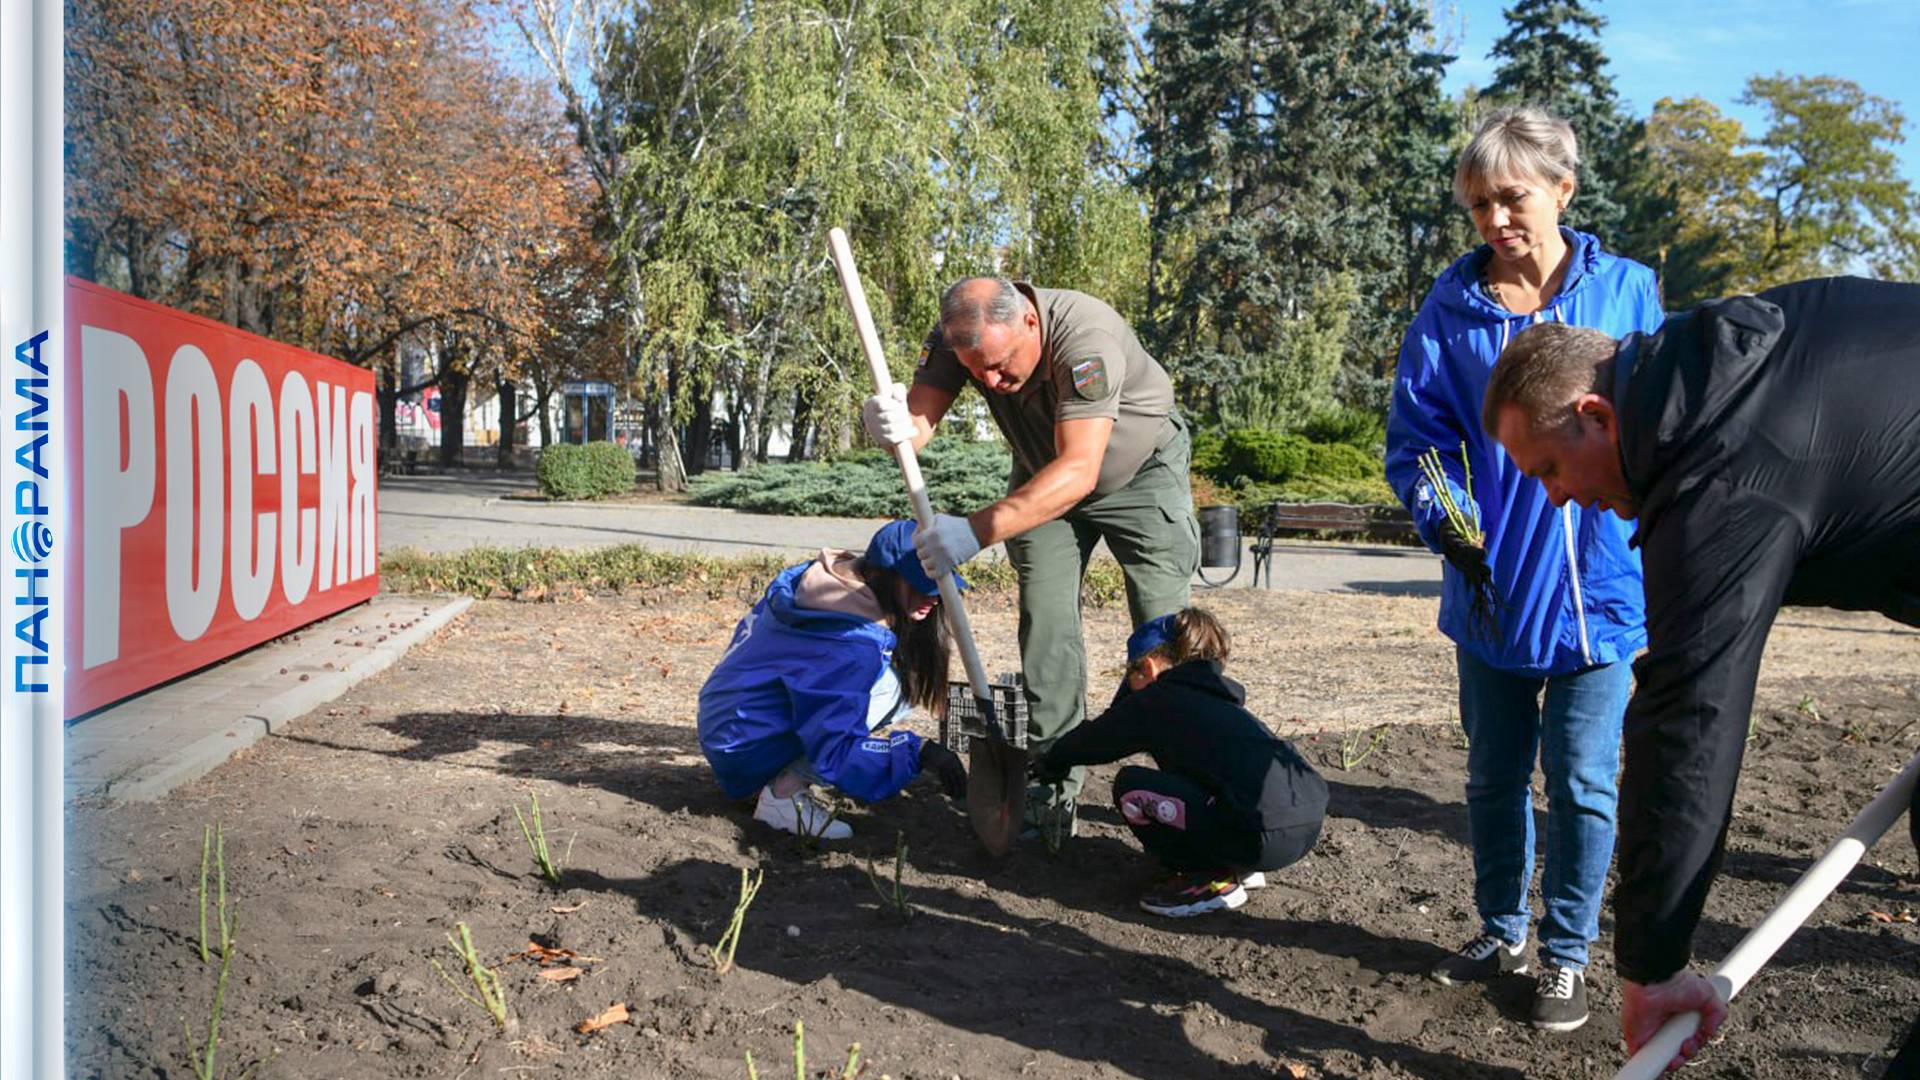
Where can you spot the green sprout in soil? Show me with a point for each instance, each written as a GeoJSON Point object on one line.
{"type": "Point", "coordinates": [213, 853]}
{"type": "Point", "coordinates": [1485, 602]}
{"type": "Point", "coordinates": [537, 843]}
{"type": "Point", "coordinates": [809, 839]}
{"type": "Point", "coordinates": [1809, 708]}
{"type": "Point", "coordinates": [722, 952]}
{"type": "Point", "coordinates": [850, 1071]}
{"type": "Point", "coordinates": [488, 996]}
{"type": "Point", "coordinates": [227, 917]}
{"type": "Point", "coordinates": [1056, 824]}
{"type": "Point", "coordinates": [1357, 746]}
{"type": "Point", "coordinates": [895, 898]}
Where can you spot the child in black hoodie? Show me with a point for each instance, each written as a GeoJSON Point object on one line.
{"type": "Point", "coordinates": [1228, 801]}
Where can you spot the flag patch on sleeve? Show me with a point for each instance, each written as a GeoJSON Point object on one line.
{"type": "Point", "coordinates": [1090, 379]}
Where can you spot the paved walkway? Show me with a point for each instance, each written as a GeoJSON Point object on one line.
{"type": "Point", "coordinates": [461, 511]}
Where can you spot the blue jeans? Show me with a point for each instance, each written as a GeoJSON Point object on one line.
{"type": "Point", "coordinates": [1576, 734]}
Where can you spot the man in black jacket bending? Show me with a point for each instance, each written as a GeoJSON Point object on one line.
{"type": "Point", "coordinates": [1770, 448]}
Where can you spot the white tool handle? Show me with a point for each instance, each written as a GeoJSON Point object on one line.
{"type": "Point", "coordinates": [1793, 909]}
{"type": "Point", "coordinates": [956, 612]}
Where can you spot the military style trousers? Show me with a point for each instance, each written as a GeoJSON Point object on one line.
{"type": "Point", "coordinates": [1150, 529]}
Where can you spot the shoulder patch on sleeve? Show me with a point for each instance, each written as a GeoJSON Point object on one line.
{"type": "Point", "coordinates": [1090, 379]}
{"type": "Point", "coordinates": [930, 345]}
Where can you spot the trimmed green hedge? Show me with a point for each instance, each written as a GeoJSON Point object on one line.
{"type": "Point", "coordinates": [593, 471]}
{"type": "Point", "coordinates": [1372, 491]}
{"type": "Point", "coordinates": [1248, 467]}
{"type": "Point", "coordinates": [553, 575]}
{"type": "Point", "coordinates": [1340, 462]}
{"type": "Point", "coordinates": [961, 477]}
{"type": "Point", "coordinates": [1362, 429]}
{"type": "Point", "coordinates": [1263, 455]}
{"type": "Point", "coordinates": [1209, 452]}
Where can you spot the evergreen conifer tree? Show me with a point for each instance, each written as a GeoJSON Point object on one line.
{"type": "Point", "coordinates": [1551, 57]}
{"type": "Point", "coordinates": [1280, 141]}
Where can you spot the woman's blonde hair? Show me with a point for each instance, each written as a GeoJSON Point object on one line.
{"type": "Point", "coordinates": [1517, 142]}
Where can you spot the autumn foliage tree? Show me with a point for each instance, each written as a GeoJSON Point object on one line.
{"type": "Point", "coordinates": [334, 175]}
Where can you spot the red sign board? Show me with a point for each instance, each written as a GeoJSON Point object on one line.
{"type": "Point", "coordinates": [222, 487]}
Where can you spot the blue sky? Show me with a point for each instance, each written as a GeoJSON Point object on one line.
{"type": "Point", "coordinates": [1709, 48]}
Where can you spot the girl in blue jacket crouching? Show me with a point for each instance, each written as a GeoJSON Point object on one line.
{"type": "Point", "coordinates": [837, 649]}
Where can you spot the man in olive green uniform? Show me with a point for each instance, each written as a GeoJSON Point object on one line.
{"type": "Point", "coordinates": [1099, 452]}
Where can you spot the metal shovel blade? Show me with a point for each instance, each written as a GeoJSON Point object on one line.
{"type": "Point", "coordinates": [996, 790]}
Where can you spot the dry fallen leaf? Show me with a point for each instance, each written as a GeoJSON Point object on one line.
{"type": "Point", "coordinates": [568, 910]}
{"type": "Point", "coordinates": [561, 974]}
{"type": "Point", "coordinates": [546, 957]}
{"type": "Point", "coordinates": [1298, 1072]}
{"type": "Point", "coordinates": [615, 1014]}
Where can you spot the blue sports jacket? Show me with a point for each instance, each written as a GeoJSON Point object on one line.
{"type": "Point", "coordinates": [1568, 584]}
{"type": "Point", "coordinates": [797, 683]}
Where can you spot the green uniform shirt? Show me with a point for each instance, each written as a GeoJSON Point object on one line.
{"type": "Point", "coordinates": [1091, 365]}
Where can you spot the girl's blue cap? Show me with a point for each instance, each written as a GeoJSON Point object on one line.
{"type": "Point", "coordinates": [1150, 636]}
{"type": "Point", "coordinates": [892, 547]}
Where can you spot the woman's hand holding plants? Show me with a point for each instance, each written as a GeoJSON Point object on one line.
{"type": "Point", "coordinates": [1467, 554]}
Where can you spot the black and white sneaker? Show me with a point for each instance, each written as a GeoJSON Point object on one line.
{"type": "Point", "coordinates": [1559, 998]}
{"type": "Point", "coordinates": [1181, 896]}
{"type": "Point", "coordinates": [1480, 959]}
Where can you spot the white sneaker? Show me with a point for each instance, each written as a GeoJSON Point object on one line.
{"type": "Point", "coordinates": [1255, 880]}
{"type": "Point", "coordinates": [800, 815]}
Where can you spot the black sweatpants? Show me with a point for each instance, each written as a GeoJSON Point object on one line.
{"type": "Point", "coordinates": [1183, 826]}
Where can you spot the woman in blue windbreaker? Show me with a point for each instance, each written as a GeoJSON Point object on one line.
{"type": "Point", "coordinates": [1547, 614]}
{"type": "Point", "coordinates": [837, 649]}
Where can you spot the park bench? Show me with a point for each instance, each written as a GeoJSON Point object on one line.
{"type": "Point", "coordinates": [400, 462]}
{"type": "Point", "coordinates": [1389, 523]}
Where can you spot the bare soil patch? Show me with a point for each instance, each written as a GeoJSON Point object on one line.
{"type": "Point", "coordinates": [355, 843]}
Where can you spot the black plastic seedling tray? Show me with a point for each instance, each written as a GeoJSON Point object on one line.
{"type": "Point", "coordinates": [964, 723]}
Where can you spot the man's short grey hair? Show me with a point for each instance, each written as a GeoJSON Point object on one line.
{"type": "Point", "coordinates": [965, 307]}
{"type": "Point", "coordinates": [1516, 143]}
{"type": "Point", "coordinates": [1544, 370]}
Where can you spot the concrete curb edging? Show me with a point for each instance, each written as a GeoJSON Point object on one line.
{"type": "Point", "coordinates": [195, 759]}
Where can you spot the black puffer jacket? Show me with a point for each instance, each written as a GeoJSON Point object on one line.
{"type": "Point", "coordinates": [1772, 444]}
{"type": "Point", "coordinates": [1194, 723]}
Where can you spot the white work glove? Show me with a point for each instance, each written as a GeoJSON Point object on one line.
{"type": "Point", "coordinates": [947, 544]}
{"type": "Point", "coordinates": [886, 418]}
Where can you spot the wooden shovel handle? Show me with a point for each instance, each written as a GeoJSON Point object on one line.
{"type": "Point", "coordinates": [956, 611]}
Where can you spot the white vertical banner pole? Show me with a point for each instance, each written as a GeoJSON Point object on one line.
{"type": "Point", "coordinates": [34, 496]}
